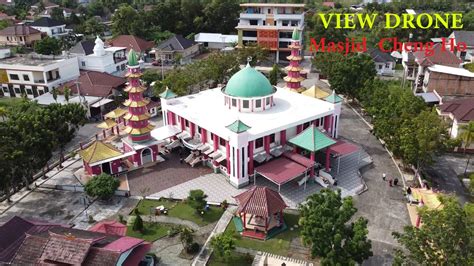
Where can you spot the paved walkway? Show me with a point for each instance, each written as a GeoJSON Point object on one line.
{"type": "Point", "coordinates": [382, 205]}
{"type": "Point", "coordinates": [206, 250]}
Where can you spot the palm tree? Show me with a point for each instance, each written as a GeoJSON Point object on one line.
{"type": "Point", "coordinates": [467, 137]}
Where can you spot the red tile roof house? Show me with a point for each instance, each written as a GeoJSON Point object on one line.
{"type": "Point", "coordinates": [416, 63]}
{"type": "Point", "coordinates": [132, 42]}
{"type": "Point", "coordinates": [457, 113]}
{"type": "Point", "coordinates": [62, 245]}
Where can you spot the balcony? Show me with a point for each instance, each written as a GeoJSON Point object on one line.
{"type": "Point", "coordinates": [252, 16]}
{"type": "Point", "coordinates": [119, 59]}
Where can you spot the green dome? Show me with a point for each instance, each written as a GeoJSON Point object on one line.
{"type": "Point", "coordinates": [132, 58]}
{"type": "Point", "coordinates": [248, 83]}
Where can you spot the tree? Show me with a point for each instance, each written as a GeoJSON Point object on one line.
{"type": "Point", "coordinates": [467, 137]}
{"type": "Point", "coordinates": [4, 24]}
{"type": "Point", "coordinates": [445, 237]}
{"type": "Point", "coordinates": [55, 94]}
{"type": "Point", "coordinates": [186, 237]}
{"type": "Point", "coordinates": [223, 244]}
{"type": "Point", "coordinates": [197, 200]}
{"type": "Point", "coordinates": [57, 14]}
{"type": "Point", "coordinates": [274, 74]}
{"type": "Point", "coordinates": [102, 186]}
{"type": "Point", "coordinates": [138, 222]}
{"type": "Point", "coordinates": [93, 27]}
{"type": "Point", "coordinates": [221, 15]}
{"type": "Point", "coordinates": [67, 92]}
{"type": "Point", "coordinates": [345, 80]}
{"type": "Point", "coordinates": [48, 46]}
{"type": "Point", "coordinates": [326, 226]}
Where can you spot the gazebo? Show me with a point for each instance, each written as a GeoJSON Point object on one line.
{"type": "Point", "coordinates": [260, 213]}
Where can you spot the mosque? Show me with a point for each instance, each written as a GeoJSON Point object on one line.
{"type": "Point", "coordinates": [243, 129]}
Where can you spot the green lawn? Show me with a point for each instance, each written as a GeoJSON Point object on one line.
{"type": "Point", "coordinates": [152, 232]}
{"type": "Point", "coordinates": [235, 259]}
{"type": "Point", "coordinates": [7, 101]}
{"type": "Point", "coordinates": [182, 210]}
{"type": "Point", "coordinates": [279, 244]}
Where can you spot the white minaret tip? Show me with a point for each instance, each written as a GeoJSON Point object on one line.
{"type": "Point", "coordinates": [99, 47]}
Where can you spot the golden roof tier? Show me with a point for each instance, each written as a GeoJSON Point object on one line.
{"type": "Point", "coordinates": [99, 151]}
{"type": "Point", "coordinates": [291, 79]}
{"type": "Point", "coordinates": [132, 89]}
{"type": "Point", "coordinates": [130, 103]}
{"type": "Point", "coordinates": [139, 131]}
{"type": "Point", "coordinates": [131, 117]}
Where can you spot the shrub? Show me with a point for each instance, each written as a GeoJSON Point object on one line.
{"type": "Point", "coordinates": [197, 200]}
{"type": "Point", "coordinates": [138, 223]}
{"type": "Point", "coordinates": [91, 219]}
{"type": "Point", "coordinates": [193, 248]}
{"type": "Point", "coordinates": [102, 186]}
{"type": "Point", "coordinates": [121, 220]}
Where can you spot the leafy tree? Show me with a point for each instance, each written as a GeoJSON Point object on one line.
{"type": "Point", "coordinates": [221, 15]}
{"type": "Point", "coordinates": [151, 75]}
{"type": "Point", "coordinates": [344, 79]}
{"type": "Point", "coordinates": [4, 24]}
{"type": "Point", "coordinates": [138, 222]}
{"type": "Point", "coordinates": [223, 244]}
{"type": "Point", "coordinates": [274, 74]}
{"type": "Point", "coordinates": [93, 27]}
{"type": "Point", "coordinates": [127, 20]}
{"type": "Point", "coordinates": [67, 92]}
{"type": "Point", "coordinates": [467, 137]}
{"type": "Point", "coordinates": [256, 52]}
{"type": "Point", "coordinates": [197, 199]}
{"type": "Point", "coordinates": [445, 237]}
{"type": "Point", "coordinates": [48, 46]}
{"type": "Point", "coordinates": [57, 14]}
{"type": "Point", "coordinates": [326, 226]}
{"type": "Point", "coordinates": [102, 186]}
{"type": "Point", "coordinates": [186, 237]}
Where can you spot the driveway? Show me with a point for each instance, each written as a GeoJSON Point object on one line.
{"type": "Point", "coordinates": [383, 206]}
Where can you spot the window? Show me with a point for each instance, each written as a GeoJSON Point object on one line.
{"type": "Point", "coordinates": [267, 101]}
{"type": "Point", "coordinates": [26, 78]}
{"type": "Point", "coordinates": [272, 138]}
{"type": "Point", "coordinates": [233, 161]}
{"type": "Point", "coordinates": [234, 102]}
{"type": "Point", "coordinates": [83, 63]}
{"type": "Point", "coordinates": [14, 77]}
{"type": "Point", "coordinates": [387, 65]}
{"type": "Point", "coordinates": [40, 92]}
{"type": "Point", "coordinates": [243, 162]}
{"type": "Point", "coordinates": [5, 89]}
{"type": "Point", "coordinates": [29, 91]}
{"type": "Point", "coordinates": [118, 68]}
{"type": "Point", "coordinates": [187, 123]}
{"type": "Point", "coordinates": [258, 143]}
{"type": "Point", "coordinates": [253, 22]}
{"type": "Point", "coordinates": [222, 142]}
{"type": "Point", "coordinates": [17, 91]}
{"type": "Point", "coordinates": [380, 66]}
{"type": "Point", "coordinates": [285, 34]}
{"type": "Point", "coordinates": [123, 67]}
{"type": "Point", "coordinates": [245, 104]}
{"type": "Point", "coordinates": [249, 34]}
{"type": "Point", "coordinates": [258, 103]}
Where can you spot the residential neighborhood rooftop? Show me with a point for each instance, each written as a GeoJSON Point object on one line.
{"type": "Point", "coordinates": [32, 60]}
{"type": "Point", "coordinates": [462, 110]}
{"type": "Point", "coordinates": [175, 43]}
{"type": "Point", "coordinates": [46, 22]}
{"type": "Point", "coordinates": [19, 30]}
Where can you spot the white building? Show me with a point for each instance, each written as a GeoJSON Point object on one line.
{"type": "Point", "coordinates": [94, 56]}
{"type": "Point", "coordinates": [51, 27]}
{"type": "Point", "coordinates": [216, 40]}
{"type": "Point", "coordinates": [384, 62]}
{"type": "Point", "coordinates": [35, 75]}
{"type": "Point", "coordinates": [247, 122]}
{"type": "Point", "coordinates": [270, 25]}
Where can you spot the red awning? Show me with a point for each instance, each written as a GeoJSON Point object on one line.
{"type": "Point", "coordinates": [299, 159]}
{"type": "Point", "coordinates": [343, 148]}
{"type": "Point", "coordinates": [281, 170]}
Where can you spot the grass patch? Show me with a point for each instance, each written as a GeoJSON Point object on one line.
{"type": "Point", "coordinates": [182, 210]}
{"type": "Point", "coordinates": [469, 67]}
{"type": "Point", "coordinates": [9, 102]}
{"type": "Point", "coordinates": [235, 258]}
{"type": "Point", "coordinates": [151, 232]}
{"type": "Point", "coordinates": [280, 244]}
{"type": "Point", "coordinates": [398, 66]}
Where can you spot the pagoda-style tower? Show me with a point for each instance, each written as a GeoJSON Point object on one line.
{"type": "Point", "coordinates": [293, 79]}
{"type": "Point", "coordinates": [137, 117]}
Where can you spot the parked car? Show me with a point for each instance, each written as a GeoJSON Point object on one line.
{"type": "Point", "coordinates": [149, 260]}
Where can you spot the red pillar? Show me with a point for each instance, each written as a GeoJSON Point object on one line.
{"type": "Point", "coordinates": [266, 144]}
{"type": "Point", "coordinates": [227, 156]}
{"type": "Point", "coordinates": [283, 137]}
{"type": "Point", "coordinates": [327, 159]}
{"type": "Point", "coordinates": [192, 129]}
{"type": "Point", "coordinates": [203, 135]}
{"type": "Point", "coordinates": [312, 167]}
{"type": "Point", "coordinates": [250, 166]}
{"type": "Point", "coordinates": [216, 142]}
{"type": "Point", "coordinates": [245, 220]}
{"type": "Point", "coordinates": [326, 123]}
{"type": "Point", "coordinates": [299, 128]}
{"type": "Point", "coordinates": [330, 125]}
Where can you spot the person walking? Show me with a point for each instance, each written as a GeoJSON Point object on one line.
{"type": "Point", "coordinates": [395, 181]}
{"type": "Point", "coordinates": [384, 176]}
{"type": "Point", "coordinates": [390, 182]}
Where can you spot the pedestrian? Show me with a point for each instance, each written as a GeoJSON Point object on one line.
{"type": "Point", "coordinates": [390, 182]}
{"type": "Point", "coordinates": [384, 176]}
{"type": "Point", "coordinates": [395, 181]}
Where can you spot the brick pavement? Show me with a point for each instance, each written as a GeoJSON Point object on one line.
{"type": "Point", "coordinates": [149, 180]}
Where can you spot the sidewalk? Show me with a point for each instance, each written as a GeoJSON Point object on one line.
{"type": "Point", "coordinates": [206, 251]}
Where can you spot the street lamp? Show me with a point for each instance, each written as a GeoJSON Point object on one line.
{"type": "Point", "coordinates": [162, 57]}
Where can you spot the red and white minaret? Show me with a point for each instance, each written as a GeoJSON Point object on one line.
{"type": "Point", "coordinates": [294, 78]}
{"type": "Point", "coordinates": [138, 126]}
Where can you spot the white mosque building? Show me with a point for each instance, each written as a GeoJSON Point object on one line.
{"type": "Point", "coordinates": [250, 127]}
